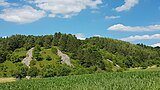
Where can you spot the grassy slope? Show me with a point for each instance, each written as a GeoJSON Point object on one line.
{"type": "Point", "coordinates": [104, 81]}
{"type": "Point", "coordinates": [48, 52]}
{"type": "Point", "coordinates": [45, 53]}
{"type": "Point", "coordinates": [20, 52]}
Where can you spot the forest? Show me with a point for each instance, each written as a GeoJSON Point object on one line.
{"type": "Point", "coordinates": [92, 55]}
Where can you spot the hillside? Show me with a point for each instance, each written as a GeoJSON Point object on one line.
{"type": "Point", "coordinates": [88, 56]}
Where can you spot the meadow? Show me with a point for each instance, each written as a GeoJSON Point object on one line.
{"type": "Point", "coordinates": [144, 80]}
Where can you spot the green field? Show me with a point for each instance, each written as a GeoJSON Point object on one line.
{"type": "Point", "coordinates": [148, 80]}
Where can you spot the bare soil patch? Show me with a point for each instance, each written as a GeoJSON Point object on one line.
{"type": "Point", "coordinates": [4, 80]}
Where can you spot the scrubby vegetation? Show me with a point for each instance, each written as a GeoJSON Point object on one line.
{"type": "Point", "coordinates": [88, 56]}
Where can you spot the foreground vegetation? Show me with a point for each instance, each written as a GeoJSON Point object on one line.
{"type": "Point", "coordinates": [148, 80]}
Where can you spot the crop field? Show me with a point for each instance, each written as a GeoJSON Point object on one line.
{"type": "Point", "coordinates": [148, 80]}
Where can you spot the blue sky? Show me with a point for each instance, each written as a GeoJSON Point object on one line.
{"type": "Point", "coordinates": [135, 21]}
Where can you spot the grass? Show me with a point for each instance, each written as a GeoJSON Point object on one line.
{"type": "Point", "coordinates": [149, 80]}
{"type": "Point", "coordinates": [20, 52]}
{"type": "Point", "coordinates": [4, 80]}
{"type": "Point", "coordinates": [151, 68]}
{"type": "Point", "coordinates": [48, 52]}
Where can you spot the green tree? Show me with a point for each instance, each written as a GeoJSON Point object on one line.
{"type": "Point", "coordinates": [33, 71]}
{"type": "Point", "coordinates": [56, 38]}
{"type": "Point", "coordinates": [21, 70]}
{"type": "Point", "coordinates": [48, 41]}
{"type": "Point", "coordinates": [36, 53]}
{"type": "Point", "coordinates": [89, 56]}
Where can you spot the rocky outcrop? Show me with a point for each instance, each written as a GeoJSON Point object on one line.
{"type": "Point", "coordinates": [64, 58]}
{"type": "Point", "coordinates": [28, 58]}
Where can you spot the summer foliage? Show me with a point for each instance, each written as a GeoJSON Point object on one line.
{"type": "Point", "coordinates": [88, 56]}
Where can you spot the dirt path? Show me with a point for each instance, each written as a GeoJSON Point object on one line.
{"type": "Point", "coordinates": [28, 58]}
{"type": "Point", "coordinates": [65, 58]}
{"type": "Point", "coordinates": [4, 80]}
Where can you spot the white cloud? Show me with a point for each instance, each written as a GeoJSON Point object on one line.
{"type": "Point", "coordinates": [5, 36]}
{"type": "Point", "coordinates": [121, 27]}
{"type": "Point", "coordinates": [127, 5]}
{"type": "Point", "coordinates": [144, 37]}
{"type": "Point", "coordinates": [111, 17]}
{"type": "Point", "coordinates": [80, 36]}
{"type": "Point", "coordinates": [65, 8]}
{"type": "Point", "coordinates": [156, 45]}
{"type": "Point", "coordinates": [6, 4]}
{"type": "Point", "coordinates": [97, 36]}
{"type": "Point", "coordinates": [25, 14]}
{"type": "Point", "coordinates": [52, 8]}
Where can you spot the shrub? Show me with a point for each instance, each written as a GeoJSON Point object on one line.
{"type": "Point", "coordinates": [21, 70]}
{"type": "Point", "coordinates": [48, 58]}
{"type": "Point", "coordinates": [80, 71]}
{"type": "Point", "coordinates": [33, 71]}
{"type": "Point", "coordinates": [54, 50]}
{"type": "Point", "coordinates": [33, 62]}
{"type": "Point", "coordinates": [63, 70]}
{"type": "Point", "coordinates": [48, 71]}
{"type": "Point", "coordinates": [120, 70]}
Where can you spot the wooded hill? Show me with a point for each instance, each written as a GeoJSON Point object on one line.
{"type": "Point", "coordinates": [96, 53]}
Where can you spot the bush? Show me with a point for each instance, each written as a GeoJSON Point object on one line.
{"type": "Point", "coordinates": [33, 71]}
{"type": "Point", "coordinates": [36, 53]}
{"type": "Point", "coordinates": [120, 70]}
{"type": "Point", "coordinates": [55, 70]}
{"type": "Point", "coordinates": [48, 71]}
{"type": "Point", "coordinates": [21, 70]}
{"type": "Point", "coordinates": [15, 58]}
{"type": "Point", "coordinates": [33, 62]}
{"type": "Point", "coordinates": [48, 58]}
{"type": "Point", "coordinates": [54, 50]}
{"type": "Point", "coordinates": [63, 70]}
{"type": "Point", "coordinates": [80, 71]}
{"type": "Point", "coordinates": [37, 56]}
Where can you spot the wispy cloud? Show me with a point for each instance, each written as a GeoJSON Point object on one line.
{"type": "Point", "coordinates": [121, 27]}
{"type": "Point", "coordinates": [127, 5]}
{"type": "Point", "coordinates": [97, 35]}
{"type": "Point", "coordinates": [25, 14]}
{"type": "Point", "coordinates": [6, 4]}
{"type": "Point", "coordinates": [143, 37]}
{"type": "Point", "coordinates": [111, 17]}
{"type": "Point", "coordinates": [95, 12]}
